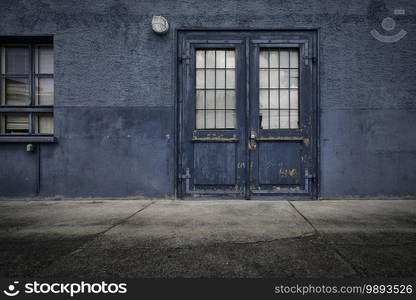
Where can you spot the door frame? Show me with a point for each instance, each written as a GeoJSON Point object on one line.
{"type": "Point", "coordinates": [178, 79]}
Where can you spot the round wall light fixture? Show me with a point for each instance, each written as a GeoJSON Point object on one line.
{"type": "Point", "coordinates": [160, 25]}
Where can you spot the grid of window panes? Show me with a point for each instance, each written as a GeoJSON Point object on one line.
{"type": "Point", "coordinates": [279, 88]}
{"type": "Point", "coordinates": [215, 89]}
{"type": "Point", "coordinates": [26, 72]}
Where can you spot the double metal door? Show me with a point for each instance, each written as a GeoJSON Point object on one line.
{"type": "Point", "coordinates": [247, 118]}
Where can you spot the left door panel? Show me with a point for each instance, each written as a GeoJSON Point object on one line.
{"type": "Point", "coordinates": [212, 117]}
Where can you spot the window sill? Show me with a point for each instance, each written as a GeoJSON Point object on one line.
{"type": "Point", "coordinates": [27, 139]}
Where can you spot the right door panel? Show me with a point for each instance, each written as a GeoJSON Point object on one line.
{"type": "Point", "coordinates": [282, 118]}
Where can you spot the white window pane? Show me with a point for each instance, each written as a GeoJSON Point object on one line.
{"type": "Point", "coordinates": [200, 79]}
{"type": "Point", "coordinates": [230, 118]}
{"type": "Point", "coordinates": [200, 58]}
{"type": "Point", "coordinates": [274, 99]}
{"type": "Point", "coordinates": [220, 79]}
{"type": "Point", "coordinates": [210, 99]}
{"type": "Point", "coordinates": [44, 91]}
{"type": "Point", "coordinates": [210, 59]}
{"type": "Point", "coordinates": [44, 60]}
{"type": "Point", "coordinates": [220, 99]}
{"type": "Point", "coordinates": [264, 99]}
{"type": "Point", "coordinates": [284, 119]}
{"type": "Point", "coordinates": [210, 80]}
{"type": "Point", "coordinates": [220, 58]}
{"type": "Point", "coordinates": [274, 119]}
{"type": "Point", "coordinates": [15, 124]}
{"type": "Point", "coordinates": [274, 79]}
{"type": "Point", "coordinates": [16, 91]}
{"type": "Point", "coordinates": [230, 56]}
{"type": "Point", "coordinates": [284, 59]}
{"type": "Point", "coordinates": [264, 79]}
{"type": "Point", "coordinates": [284, 78]}
{"type": "Point", "coordinates": [200, 99]}
{"type": "Point", "coordinates": [294, 99]}
{"type": "Point", "coordinates": [264, 59]}
{"type": "Point", "coordinates": [230, 79]}
{"type": "Point", "coordinates": [44, 124]}
{"type": "Point", "coordinates": [264, 116]}
{"type": "Point", "coordinates": [210, 118]}
{"type": "Point", "coordinates": [220, 119]}
{"type": "Point", "coordinates": [230, 97]}
{"type": "Point", "coordinates": [294, 119]}
{"type": "Point", "coordinates": [294, 78]}
{"type": "Point", "coordinates": [200, 119]}
{"type": "Point", "coordinates": [284, 99]}
{"type": "Point", "coordinates": [274, 59]}
{"type": "Point", "coordinates": [294, 59]}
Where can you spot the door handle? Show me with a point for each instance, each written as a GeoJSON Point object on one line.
{"type": "Point", "coordinates": [252, 143]}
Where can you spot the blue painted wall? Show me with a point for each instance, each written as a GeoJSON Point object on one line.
{"type": "Point", "coordinates": [115, 94]}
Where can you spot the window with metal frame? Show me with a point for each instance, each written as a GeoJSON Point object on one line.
{"type": "Point", "coordinates": [26, 88]}
{"type": "Point", "coordinates": [215, 89]}
{"type": "Point", "coordinates": [279, 88]}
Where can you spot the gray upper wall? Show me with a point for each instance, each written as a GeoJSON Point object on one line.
{"type": "Point", "coordinates": [115, 93]}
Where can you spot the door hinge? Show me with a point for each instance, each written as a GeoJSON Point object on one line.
{"type": "Point", "coordinates": [181, 59]}
{"type": "Point", "coordinates": [186, 175]}
{"type": "Point", "coordinates": [312, 58]}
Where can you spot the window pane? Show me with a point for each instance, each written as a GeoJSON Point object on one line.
{"type": "Point", "coordinates": [220, 119]}
{"type": "Point", "coordinates": [44, 60]}
{"type": "Point", "coordinates": [200, 79]}
{"type": "Point", "coordinates": [200, 99]}
{"type": "Point", "coordinates": [294, 59]}
{"type": "Point", "coordinates": [215, 94]}
{"type": "Point", "coordinates": [14, 124]}
{"type": "Point", "coordinates": [264, 118]}
{"type": "Point", "coordinates": [230, 57]}
{"type": "Point", "coordinates": [210, 118]}
{"type": "Point", "coordinates": [230, 119]}
{"type": "Point", "coordinates": [264, 98]}
{"type": "Point", "coordinates": [284, 118]}
{"type": "Point", "coordinates": [264, 59]}
{"type": "Point", "coordinates": [274, 79]}
{"type": "Point", "coordinates": [17, 60]}
{"type": "Point", "coordinates": [200, 59]}
{"type": "Point", "coordinates": [284, 78]}
{"type": "Point", "coordinates": [210, 80]}
{"type": "Point", "coordinates": [274, 99]}
{"type": "Point", "coordinates": [279, 83]}
{"type": "Point", "coordinates": [210, 99]}
{"type": "Point", "coordinates": [44, 124]}
{"type": "Point", "coordinates": [16, 91]}
{"type": "Point", "coordinates": [220, 99]}
{"type": "Point", "coordinates": [230, 79]}
{"type": "Point", "coordinates": [220, 79]}
{"type": "Point", "coordinates": [230, 99]}
{"type": "Point", "coordinates": [220, 57]}
{"type": "Point", "coordinates": [210, 59]}
{"type": "Point", "coordinates": [284, 59]}
{"type": "Point", "coordinates": [284, 99]}
{"type": "Point", "coordinates": [294, 119]}
{"type": "Point", "coordinates": [200, 119]}
{"type": "Point", "coordinates": [274, 119]}
{"type": "Point", "coordinates": [44, 91]}
{"type": "Point", "coordinates": [274, 59]}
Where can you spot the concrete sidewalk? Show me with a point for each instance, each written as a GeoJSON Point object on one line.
{"type": "Point", "coordinates": [161, 238]}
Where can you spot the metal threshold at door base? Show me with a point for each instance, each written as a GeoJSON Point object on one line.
{"type": "Point", "coordinates": [308, 178]}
